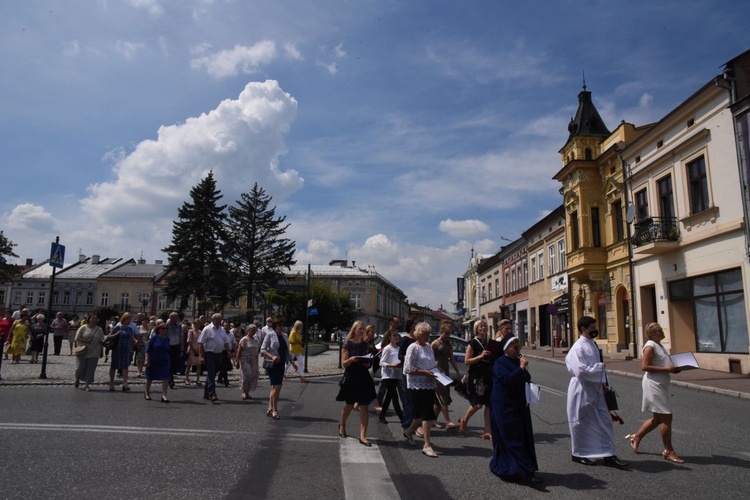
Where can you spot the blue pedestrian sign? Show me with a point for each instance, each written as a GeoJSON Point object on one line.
{"type": "Point", "coordinates": [313, 311]}
{"type": "Point", "coordinates": [57, 255]}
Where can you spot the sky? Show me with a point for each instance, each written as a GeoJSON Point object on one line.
{"type": "Point", "coordinates": [397, 134]}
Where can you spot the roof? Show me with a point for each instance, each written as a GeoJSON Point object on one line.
{"type": "Point", "coordinates": [88, 270]}
{"type": "Point", "coordinates": [43, 271]}
{"type": "Point", "coordinates": [587, 121]}
{"type": "Point", "coordinates": [135, 270]}
{"type": "Point", "coordinates": [338, 271]}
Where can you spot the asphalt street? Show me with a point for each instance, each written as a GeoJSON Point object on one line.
{"type": "Point", "coordinates": [59, 442]}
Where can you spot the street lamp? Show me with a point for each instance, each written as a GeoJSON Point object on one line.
{"type": "Point", "coordinates": [206, 273]}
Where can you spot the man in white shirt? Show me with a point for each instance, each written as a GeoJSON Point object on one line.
{"type": "Point", "coordinates": [214, 345]}
{"type": "Point", "coordinates": [266, 330]}
{"type": "Point", "coordinates": [591, 433]}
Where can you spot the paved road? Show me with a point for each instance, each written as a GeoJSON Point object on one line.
{"type": "Point", "coordinates": [50, 437]}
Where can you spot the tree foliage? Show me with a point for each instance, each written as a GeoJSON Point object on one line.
{"type": "Point", "coordinates": [256, 250]}
{"type": "Point", "coordinates": [198, 238]}
{"type": "Point", "coordinates": [335, 309]}
{"type": "Point", "coordinates": [7, 270]}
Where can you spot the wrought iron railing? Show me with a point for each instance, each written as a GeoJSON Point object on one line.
{"type": "Point", "coordinates": [655, 229]}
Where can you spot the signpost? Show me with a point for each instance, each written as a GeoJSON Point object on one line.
{"type": "Point", "coordinates": [56, 260]}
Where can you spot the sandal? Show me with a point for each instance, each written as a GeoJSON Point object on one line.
{"type": "Point", "coordinates": [634, 441]}
{"type": "Point", "coordinates": [419, 433]}
{"type": "Point", "coordinates": [451, 426]}
{"type": "Point", "coordinates": [275, 415]}
{"type": "Point", "coordinates": [410, 439]}
{"type": "Point", "coordinates": [268, 413]}
{"type": "Point", "coordinates": [671, 456]}
{"type": "Point", "coordinates": [462, 425]}
{"type": "Point", "coordinates": [342, 432]}
{"type": "Point", "coordinates": [147, 397]}
{"type": "Point", "coordinates": [429, 452]}
{"type": "Point", "coordinates": [487, 435]}
{"type": "Point", "coordinates": [438, 426]}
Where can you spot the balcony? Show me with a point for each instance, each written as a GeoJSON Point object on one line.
{"type": "Point", "coordinates": [655, 235]}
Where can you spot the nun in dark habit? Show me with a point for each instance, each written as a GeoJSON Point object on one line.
{"type": "Point", "coordinates": [513, 454]}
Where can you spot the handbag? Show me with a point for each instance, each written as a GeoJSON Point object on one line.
{"type": "Point", "coordinates": [267, 363]}
{"type": "Point", "coordinates": [111, 343]}
{"type": "Point", "coordinates": [80, 350]}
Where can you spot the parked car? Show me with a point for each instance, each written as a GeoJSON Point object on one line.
{"type": "Point", "coordinates": [459, 353]}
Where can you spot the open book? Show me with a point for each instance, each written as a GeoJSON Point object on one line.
{"type": "Point", "coordinates": [684, 361]}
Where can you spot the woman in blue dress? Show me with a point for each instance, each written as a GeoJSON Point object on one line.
{"type": "Point", "coordinates": [125, 334]}
{"type": "Point", "coordinates": [513, 453]}
{"type": "Point", "coordinates": [157, 362]}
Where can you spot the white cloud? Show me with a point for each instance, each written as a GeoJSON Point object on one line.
{"type": "Point", "coordinates": [240, 58]}
{"type": "Point", "coordinates": [318, 252]}
{"type": "Point", "coordinates": [645, 100]}
{"type": "Point", "coordinates": [200, 48]}
{"type": "Point", "coordinates": [71, 48]}
{"type": "Point", "coordinates": [152, 7]}
{"type": "Point", "coordinates": [128, 49]}
{"type": "Point", "coordinates": [332, 68]}
{"type": "Point", "coordinates": [241, 141]}
{"type": "Point", "coordinates": [339, 51]}
{"type": "Point", "coordinates": [32, 218]}
{"type": "Point", "coordinates": [291, 51]}
{"type": "Point", "coordinates": [466, 229]}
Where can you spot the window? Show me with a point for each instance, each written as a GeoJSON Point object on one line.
{"type": "Point", "coordinates": [525, 273]}
{"type": "Point", "coordinates": [356, 298]}
{"type": "Point", "coordinates": [2, 297]}
{"type": "Point", "coordinates": [124, 301]}
{"type": "Point", "coordinates": [56, 298]}
{"type": "Point", "coordinates": [666, 200]}
{"type": "Point", "coordinates": [29, 298]}
{"type": "Point", "coordinates": [162, 302]}
{"type": "Point", "coordinates": [89, 298]}
{"type": "Point", "coordinates": [641, 205]}
{"type": "Point", "coordinates": [551, 255]}
{"type": "Point", "coordinates": [596, 237]}
{"type": "Point", "coordinates": [561, 251]}
{"type": "Point", "coordinates": [513, 278]}
{"type": "Point", "coordinates": [540, 259]}
{"type": "Point", "coordinates": [698, 186]}
{"type": "Point", "coordinates": [105, 299]}
{"type": "Point", "coordinates": [17, 297]}
{"type": "Point", "coordinates": [489, 291]}
{"type": "Point", "coordinates": [719, 310]}
{"type": "Point", "coordinates": [507, 282]}
{"type": "Point", "coordinates": [66, 297]}
{"type": "Point", "coordinates": [497, 287]}
{"type": "Point", "coordinates": [617, 220]}
{"type": "Point", "coordinates": [236, 302]}
{"type": "Point", "coordinates": [41, 299]}
{"type": "Point", "coordinates": [533, 269]}
{"type": "Point", "coordinates": [574, 231]}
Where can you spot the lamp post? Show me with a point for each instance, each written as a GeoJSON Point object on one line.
{"type": "Point", "coordinates": [206, 273]}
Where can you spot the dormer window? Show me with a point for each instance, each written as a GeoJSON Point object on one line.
{"type": "Point", "coordinates": [588, 155]}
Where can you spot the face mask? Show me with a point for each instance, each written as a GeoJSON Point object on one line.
{"type": "Point", "coordinates": [593, 333]}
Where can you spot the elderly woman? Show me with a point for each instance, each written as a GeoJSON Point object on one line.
{"type": "Point", "coordinates": [91, 337]}
{"type": "Point", "coordinates": [194, 358]}
{"type": "Point", "coordinates": [19, 332]}
{"type": "Point", "coordinates": [124, 334]}
{"type": "Point", "coordinates": [275, 349]}
{"type": "Point", "coordinates": [513, 453]}
{"type": "Point", "coordinates": [419, 363]}
{"type": "Point", "coordinates": [37, 332]}
{"type": "Point", "coordinates": [247, 361]}
{"type": "Point", "coordinates": [157, 362]}
{"type": "Point", "coordinates": [357, 386]}
{"type": "Point", "coordinates": [444, 358]}
{"type": "Point", "coordinates": [479, 385]}
{"type": "Point", "coordinates": [657, 365]}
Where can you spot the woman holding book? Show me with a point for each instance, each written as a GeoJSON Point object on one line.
{"type": "Point", "coordinates": [657, 365]}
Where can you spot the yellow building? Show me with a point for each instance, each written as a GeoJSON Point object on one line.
{"type": "Point", "coordinates": [598, 263]}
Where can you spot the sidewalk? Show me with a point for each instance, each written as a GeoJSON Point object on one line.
{"type": "Point", "coordinates": [61, 371]}
{"type": "Point", "coordinates": [729, 384]}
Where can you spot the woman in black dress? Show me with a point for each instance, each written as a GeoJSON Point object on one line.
{"type": "Point", "coordinates": [479, 386]}
{"type": "Point", "coordinates": [37, 333]}
{"type": "Point", "coordinates": [356, 385]}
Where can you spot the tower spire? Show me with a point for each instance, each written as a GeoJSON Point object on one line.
{"type": "Point", "coordinates": [584, 79]}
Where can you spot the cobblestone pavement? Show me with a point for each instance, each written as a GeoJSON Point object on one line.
{"type": "Point", "coordinates": [61, 370]}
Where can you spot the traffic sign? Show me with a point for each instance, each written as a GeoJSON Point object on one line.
{"type": "Point", "coordinates": [57, 255]}
{"type": "Point", "coordinates": [313, 311]}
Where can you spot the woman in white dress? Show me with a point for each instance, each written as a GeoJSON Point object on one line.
{"type": "Point", "coordinates": [657, 365]}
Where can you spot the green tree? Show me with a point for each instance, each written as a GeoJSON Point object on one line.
{"type": "Point", "coordinates": [335, 309]}
{"type": "Point", "coordinates": [7, 270]}
{"type": "Point", "coordinates": [195, 261]}
{"type": "Point", "coordinates": [257, 251]}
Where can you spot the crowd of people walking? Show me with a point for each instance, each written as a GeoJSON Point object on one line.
{"type": "Point", "coordinates": [415, 378]}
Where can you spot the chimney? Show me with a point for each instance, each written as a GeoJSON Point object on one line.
{"type": "Point", "coordinates": [29, 262]}
{"type": "Point", "coordinates": [95, 259]}
{"type": "Point", "coordinates": [141, 261]}
{"type": "Point", "coordinates": [81, 257]}
{"type": "Point", "coordinates": [354, 264]}
{"type": "Point", "coordinates": [159, 262]}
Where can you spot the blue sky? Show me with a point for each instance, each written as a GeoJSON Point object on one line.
{"type": "Point", "coordinates": [395, 134]}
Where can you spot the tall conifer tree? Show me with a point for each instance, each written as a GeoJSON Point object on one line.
{"type": "Point", "coordinates": [6, 250]}
{"type": "Point", "coordinates": [198, 238]}
{"type": "Point", "coordinates": [258, 252]}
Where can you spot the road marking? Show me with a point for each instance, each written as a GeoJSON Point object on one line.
{"type": "Point", "coordinates": [553, 391]}
{"type": "Point", "coordinates": [364, 473]}
{"type": "Point", "coordinates": [116, 429]}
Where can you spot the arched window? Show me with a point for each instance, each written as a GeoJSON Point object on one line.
{"type": "Point", "coordinates": [588, 155]}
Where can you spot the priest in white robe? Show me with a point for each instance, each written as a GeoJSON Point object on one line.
{"type": "Point", "coordinates": [591, 433]}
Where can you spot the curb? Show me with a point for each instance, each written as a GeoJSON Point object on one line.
{"type": "Point", "coordinates": [687, 385]}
